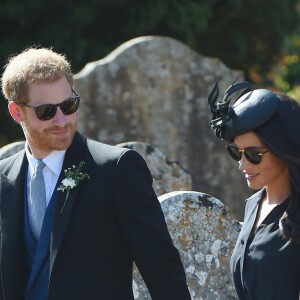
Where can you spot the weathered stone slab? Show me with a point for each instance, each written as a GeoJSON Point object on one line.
{"type": "Point", "coordinates": [205, 232]}
{"type": "Point", "coordinates": [168, 176]}
{"type": "Point", "coordinates": [154, 89]}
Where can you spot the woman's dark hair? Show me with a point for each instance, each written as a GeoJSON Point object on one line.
{"type": "Point", "coordinates": [281, 136]}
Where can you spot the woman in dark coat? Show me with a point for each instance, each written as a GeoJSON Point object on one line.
{"type": "Point", "coordinates": [262, 129]}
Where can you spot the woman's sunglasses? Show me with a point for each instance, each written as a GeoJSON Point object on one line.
{"type": "Point", "coordinates": [253, 155]}
{"type": "Point", "coordinates": [47, 111]}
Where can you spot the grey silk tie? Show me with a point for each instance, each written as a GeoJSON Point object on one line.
{"type": "Point", "coordinates": [38, 199]}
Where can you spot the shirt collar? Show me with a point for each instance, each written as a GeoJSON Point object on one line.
{"type": "Point", "coordinates": [53, 161]}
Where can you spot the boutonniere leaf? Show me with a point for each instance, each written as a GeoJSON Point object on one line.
{"type": "Point", "coordinates": [73, 177]}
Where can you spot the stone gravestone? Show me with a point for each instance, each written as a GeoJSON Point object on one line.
{"type": "Point", "coordinates": [154, 89]}
{"type": "Point", "coordinates": [205, 232]}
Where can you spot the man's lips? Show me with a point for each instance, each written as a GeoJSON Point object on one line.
{"type": "Point", "coordinates": [58, 130]}
{"type": "Point", "coordinates": [62, 132]}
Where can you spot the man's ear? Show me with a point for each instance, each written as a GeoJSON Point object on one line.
{"type": "Point", "coordinates": [15, 111]}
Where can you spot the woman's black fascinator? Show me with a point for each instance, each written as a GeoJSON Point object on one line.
{"type": "Point", "coordinates": [249, 110]}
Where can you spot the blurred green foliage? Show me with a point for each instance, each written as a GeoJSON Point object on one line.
{"type": "Point", "coordinates": [285, 74]}
{"type": "Point", "coordinates": [259, 37]}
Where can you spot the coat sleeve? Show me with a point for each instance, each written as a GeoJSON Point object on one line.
{"type": "Point", "coordinates": [143, 225]}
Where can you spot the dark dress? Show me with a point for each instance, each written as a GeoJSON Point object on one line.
{"type": "Point", "coordinates": [264, 265]}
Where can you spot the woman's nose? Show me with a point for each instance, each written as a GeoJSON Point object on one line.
{"type": "Point", "coordinates": [243, 163]}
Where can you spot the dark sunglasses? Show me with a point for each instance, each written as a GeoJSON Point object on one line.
{"type": "Point", "coordinates": [47, 111]}
{"type": "Point", "coordinates": [253, 155]}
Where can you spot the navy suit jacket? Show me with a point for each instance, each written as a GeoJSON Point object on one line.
{"type": "Point", "coordinates": [109, 221]}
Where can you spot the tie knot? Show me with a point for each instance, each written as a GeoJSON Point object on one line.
{"type": "Point", "coordinates": [39, 166]}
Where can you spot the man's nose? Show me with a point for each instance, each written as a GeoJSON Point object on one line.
{"type": "Point", "coordinates": [59, 119]}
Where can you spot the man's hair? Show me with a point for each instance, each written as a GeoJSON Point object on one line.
{"type": "Point", "coordinates": [31, 66]}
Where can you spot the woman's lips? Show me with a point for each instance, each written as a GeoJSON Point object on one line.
{"type": "Point", "coordinates": [251, 176]}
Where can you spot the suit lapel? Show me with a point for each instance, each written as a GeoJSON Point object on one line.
{"type": "Point", "coordinates": [63, 208]}
{"type": "Point", "coordinates": [255, 199]}
{"type": "Point", "coordinates": [12, 205]}
{"type": "Point", "coordinates": [251, 217]}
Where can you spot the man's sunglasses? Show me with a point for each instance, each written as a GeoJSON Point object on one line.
{"type": "Point", "coordinates": [253, 155]}
{"type": "Point", "coordinates": [47, 111]}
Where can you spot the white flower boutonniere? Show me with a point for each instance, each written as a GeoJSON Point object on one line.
{"type": "Point", "coordinates": [73, 177]}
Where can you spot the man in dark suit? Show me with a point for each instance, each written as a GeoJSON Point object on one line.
{"type": "Point", "coordinates": [99, 212]}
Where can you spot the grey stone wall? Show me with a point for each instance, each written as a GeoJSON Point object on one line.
{"type": "Point", "coordinates": [154, 89]}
